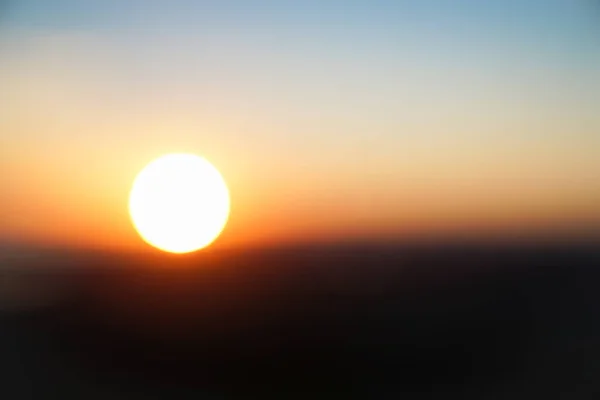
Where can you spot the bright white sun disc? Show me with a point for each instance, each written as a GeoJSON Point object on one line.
{"type": "Point", "coordinates": [179, 203]}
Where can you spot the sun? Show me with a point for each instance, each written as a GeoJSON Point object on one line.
{"type": "Point", "coordinates": [179, 203]}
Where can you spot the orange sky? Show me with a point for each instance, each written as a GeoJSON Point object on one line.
{"type": "Point", "coordinates": [77, 195]}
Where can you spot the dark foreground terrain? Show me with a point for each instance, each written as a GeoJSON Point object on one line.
{"type": "Point", "coordinates": [357, 321]}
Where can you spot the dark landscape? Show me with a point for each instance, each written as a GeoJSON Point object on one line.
{"type": "Point", "coordinates": [360, 321]}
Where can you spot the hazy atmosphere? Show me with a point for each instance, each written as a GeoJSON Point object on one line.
{"type": "Point", "coordinates": [330, 120]}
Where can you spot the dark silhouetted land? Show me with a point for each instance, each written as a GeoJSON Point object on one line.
{"type": "Point", "coordinates": [501, 322]}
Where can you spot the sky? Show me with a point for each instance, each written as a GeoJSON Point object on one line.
{"type": "Point", "coordinates": [330, 120]}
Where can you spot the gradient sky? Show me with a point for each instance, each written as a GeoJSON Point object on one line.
{"type": "Point", "coordinates": [330, 119]}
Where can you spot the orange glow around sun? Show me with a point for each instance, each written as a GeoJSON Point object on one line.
{"type": "Point", "coordinates": [179, 203]}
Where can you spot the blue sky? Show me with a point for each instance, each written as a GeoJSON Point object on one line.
{"type": "Point", "coordinates": [563, 25]}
